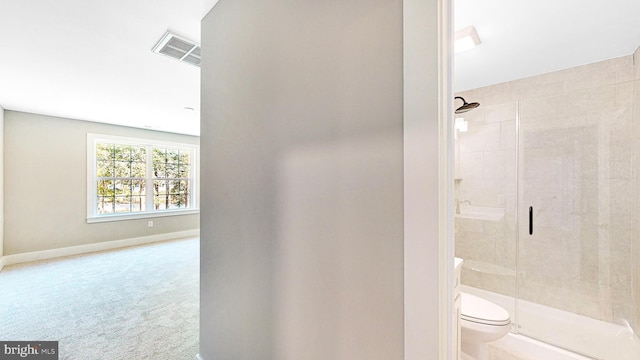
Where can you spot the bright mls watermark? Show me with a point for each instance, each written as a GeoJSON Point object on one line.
{"type": "Point", "coordinates": [32, 350]}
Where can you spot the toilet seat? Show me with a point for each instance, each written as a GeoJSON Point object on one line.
{"type": "Point", "coordinates": [478, 310]}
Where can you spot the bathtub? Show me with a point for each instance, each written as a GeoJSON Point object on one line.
{"type": "Point", "coordinates": [594, 338]}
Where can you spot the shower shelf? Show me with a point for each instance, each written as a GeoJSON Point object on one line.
{"type": "Point", "coordinates": [480, 213]}
{"type": "Point", "coordinates": [488, 268]}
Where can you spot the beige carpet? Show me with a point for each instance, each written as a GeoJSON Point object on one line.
{"type": "Point", "coordinates": [135, 303]}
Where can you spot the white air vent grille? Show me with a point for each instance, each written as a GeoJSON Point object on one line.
{"type": "Point", "coordinates": [179, 48]}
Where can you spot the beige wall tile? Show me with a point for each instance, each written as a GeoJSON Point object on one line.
{"type": "Point", "coordinates": [508, 135]}
{"type": "Point", "coordinates": [542, 90]}
{"type": "Point", "coordinates": [621, 160]}
{"type": "Point", "coordinates": [625, 69]}
{"type": "Point", "coordinates": [600, 99]}
{"type": "Point", "coordinates": [483, 192]}
{"type": "Point", "coordinates": [579, 153]}
{"type": "Point", "coordinates": [471, 165]}
{"type": "Point", "coordinates": [635, 269]}
{"type": "Point", "coordinates": [591, 76]}
{"type": "Point", "coordinates": [475, 245]}
{"type": "Point", "coordinates": [548, 107]}
{"type": "Point", "coordinates": [494, 165]}
{"type": "Point", "coordinates": [636, 64]}
{"type": "Point", "coordinates": [482, 137]}
{"type": "Point", "coordinates": [500, 112]}
{"type": "Point", "coordinates": [624, 95]}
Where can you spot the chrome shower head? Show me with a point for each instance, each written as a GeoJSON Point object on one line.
{"type": "Point", "coordinates": [465, 106]}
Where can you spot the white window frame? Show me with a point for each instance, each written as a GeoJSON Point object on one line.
{"type": "Point", "coordinates": [92, 196]}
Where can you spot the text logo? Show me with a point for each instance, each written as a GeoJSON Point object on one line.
{"type": "Point", "coordinates": [32, 350]}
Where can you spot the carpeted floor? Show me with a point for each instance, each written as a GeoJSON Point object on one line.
{"type": "Point", "coordinates": [134, 303]}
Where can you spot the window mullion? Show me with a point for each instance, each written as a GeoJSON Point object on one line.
{"type": "Point", "coordinates": [149, 179]}
{"type": "Point", "coordinates": [113, 152]}
{"type": "Point", "coordinates": [192, 177]}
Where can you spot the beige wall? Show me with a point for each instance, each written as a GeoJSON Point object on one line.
{"type": "Point", "coordinates": [302, 234]}
{"type": "Point", "coordinates": [45, 185]}
{"type": "Point", "coordinates": [577, 140]}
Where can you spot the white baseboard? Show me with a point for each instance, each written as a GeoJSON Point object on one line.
{"type": "Point", "coordinates": [89, 248]}
{"type": "Point", "coordinates": [198, 357]}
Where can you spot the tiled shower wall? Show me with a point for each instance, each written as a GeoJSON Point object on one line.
{"type": "Point", "coordinates": [485, 176]}
{"type": "Point", "coordinates": [577, 165]}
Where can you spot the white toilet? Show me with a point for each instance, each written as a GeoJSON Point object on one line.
{"type": "Point", "coordinates": [481, 322]}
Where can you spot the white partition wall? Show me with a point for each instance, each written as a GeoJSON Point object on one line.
{"type": "Point", "coordinates": [1, 185]}
{"type": "Point", "coordinates": [304, 182]}
{"type": "Point", "coordinates": [428, 180]}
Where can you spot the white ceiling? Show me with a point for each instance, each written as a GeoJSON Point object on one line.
{"type": "Point", "coordinates": [526, 38]}
{"type": "Point", "coordinates": [92, 60]}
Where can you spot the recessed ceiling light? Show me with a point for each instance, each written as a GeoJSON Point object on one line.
{"type": "Point", "coordinates": [189, 108]}
{"type": "Point", "coordinates": [466, 39]}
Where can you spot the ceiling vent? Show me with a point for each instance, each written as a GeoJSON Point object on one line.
{"type": "Point", "coordinates": [179, 48]}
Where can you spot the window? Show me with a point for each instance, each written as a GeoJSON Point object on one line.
{"type": "Point", "coordinates": [135, 178]}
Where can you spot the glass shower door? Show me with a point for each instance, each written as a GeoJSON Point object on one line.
{"type": "Point", "coordinates": [577, 196]}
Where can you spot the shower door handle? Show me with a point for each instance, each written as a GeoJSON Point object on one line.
{"type": "Point", "coordinates": [530, 220]}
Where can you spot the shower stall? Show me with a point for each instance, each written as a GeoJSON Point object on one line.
{"type": "Point", "coordinates": [547, 193]}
